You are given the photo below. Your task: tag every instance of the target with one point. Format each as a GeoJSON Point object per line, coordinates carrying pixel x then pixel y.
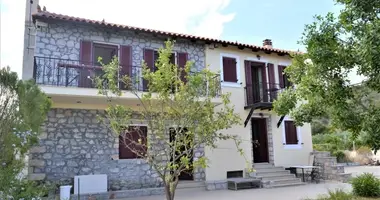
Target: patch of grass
{"type": "Point", "coordinates": [341, 195]}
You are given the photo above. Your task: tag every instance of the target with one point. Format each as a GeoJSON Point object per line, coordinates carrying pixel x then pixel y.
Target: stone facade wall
{"type": "Point", "coordinates": [73, 142]}
{"type": "Point", "coordinates": [62, 40]}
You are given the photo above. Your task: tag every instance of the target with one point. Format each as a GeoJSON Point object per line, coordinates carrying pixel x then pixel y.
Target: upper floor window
{"type": "Point", "coordinates": [105, 51]}
{"type": "Point", "coordinates": [283, 78]}
{"type": "Point", "coordinates": [230, 70]}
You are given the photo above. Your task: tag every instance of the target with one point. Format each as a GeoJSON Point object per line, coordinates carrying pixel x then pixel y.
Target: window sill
{"type": "Point", "coordinates": [292, 146]}
{"type": "Point", "coordinates": [231, 84]}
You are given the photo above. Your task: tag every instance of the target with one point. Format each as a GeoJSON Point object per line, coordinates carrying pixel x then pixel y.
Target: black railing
{"type": "Point", "coordinates": [73, 73]}
{"type": "Point", "coordinates": [261, 93]}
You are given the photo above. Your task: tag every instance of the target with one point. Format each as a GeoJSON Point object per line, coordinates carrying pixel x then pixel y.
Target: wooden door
{"type": "Point", "coordinates": [260, 140]}
{"type": "Point", "coordinates": [186, 174]}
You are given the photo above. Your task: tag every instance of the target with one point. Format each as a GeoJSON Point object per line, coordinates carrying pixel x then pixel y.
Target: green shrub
{"type": "Point", "coordinates": [340, 156]}
{"type": "Point", "coordinates": [366, 185]}
{"type": "Point", "coordinates": [336, 195]}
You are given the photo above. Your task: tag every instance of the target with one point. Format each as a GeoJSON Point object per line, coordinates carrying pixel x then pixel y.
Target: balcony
{"type": "Point", "coordinates": [74, 74]}
{"type": "Point", "coordinates": [261, 95]}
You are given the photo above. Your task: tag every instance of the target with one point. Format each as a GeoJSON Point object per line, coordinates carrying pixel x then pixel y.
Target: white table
{"type": "Point", "coordinates": [303, 167]}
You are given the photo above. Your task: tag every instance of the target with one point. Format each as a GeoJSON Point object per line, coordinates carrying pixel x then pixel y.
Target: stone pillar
{"type": "Point", "coordinates": [29, 40]}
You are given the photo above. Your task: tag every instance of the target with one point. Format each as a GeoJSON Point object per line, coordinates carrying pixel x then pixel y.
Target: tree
{"type": "Point", "coordinates": [179, 111]}
{"type": "Point", "coordinates": [23, 108]}
{"type": "Point", "coordinates": [337, 46]}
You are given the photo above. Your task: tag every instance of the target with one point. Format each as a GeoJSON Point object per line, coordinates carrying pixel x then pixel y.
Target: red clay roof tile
{"type": "Point", "coordinates": [50, 15]}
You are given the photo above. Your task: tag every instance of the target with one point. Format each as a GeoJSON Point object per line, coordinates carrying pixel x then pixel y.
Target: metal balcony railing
{"type": "Point", "coordinates": [73, 73]}
{"type": "Point", "coordinates": [261, 92]}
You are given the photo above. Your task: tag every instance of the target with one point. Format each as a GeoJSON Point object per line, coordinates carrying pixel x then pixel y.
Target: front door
{"type": "Point", "coordinates": [260, 140]}
{"type": "Point", "coordinates": [186, 174]}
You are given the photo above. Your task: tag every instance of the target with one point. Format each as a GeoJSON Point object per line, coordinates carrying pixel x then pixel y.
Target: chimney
{"type": "Point", "coordinates": [267, 43]}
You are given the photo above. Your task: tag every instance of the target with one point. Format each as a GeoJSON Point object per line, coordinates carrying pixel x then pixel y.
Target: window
{"type": "Point", "coordinates": [230, 70]}
{"type": "Point", "coordinates": [106, 52]}
{"type": "Point", "coordinates": [283, 78]}
{"type": "Point", "coordinates": [129, 142]}
{"type": "Point", "coordinates": [291, 136]}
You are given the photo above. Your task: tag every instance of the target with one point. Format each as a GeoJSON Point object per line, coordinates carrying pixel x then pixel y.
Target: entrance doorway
{"type": "Point", "coordinates": [260, 140]}
{"type": "Point", "coordinates": [188, 173]}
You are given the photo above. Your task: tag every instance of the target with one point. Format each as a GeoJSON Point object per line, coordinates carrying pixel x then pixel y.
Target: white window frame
{"type": "Point", "coordinates": [230, 84]}
{"type": "Point", "coordinates": [298, 129]}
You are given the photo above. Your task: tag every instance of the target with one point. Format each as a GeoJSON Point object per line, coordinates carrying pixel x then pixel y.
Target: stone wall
{"type": "Point", "coordinates": [73, 142]}
{"type": "Point", "coordinates": [62, 40]}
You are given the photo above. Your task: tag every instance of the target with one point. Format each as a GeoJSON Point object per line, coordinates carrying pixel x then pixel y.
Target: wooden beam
{"type": "Point", "coordinates": [240, 47]}
{"type": "Point", "coordinates": [225, 45]}
{"type": "Point", "coordinates": [249, 116]}
{"type": "Point", "coordinates": [280, 121]}
{"type": "Point", "coordinates": [255, 50]}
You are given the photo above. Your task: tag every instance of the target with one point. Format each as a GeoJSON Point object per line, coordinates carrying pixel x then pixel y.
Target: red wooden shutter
{"type": "Point", "coordinates": [264, 83]}
{"type": "Point", "coordinates": [125, 63]}
{"type": "Point", "coordinates": [124, 143]}
{"type": "Point", "coordinates": [182, 59]}
{"type": "Point", "coordinates": [291, 133]}
{"type": "Point", "coordinates": [149, 60]}
{"type": "Point", "coordinates": [229, 70]}
{"type": "Point", "coordinates": [271, 76]}
{"type": "Point", "coordinates": [248, 82]}
{"type": "Point", "coordinates": [272, 84]}
{"type": "Point", "coordinates": [281, 76]}
{"type": "Point", "coordinates": [85, 59]}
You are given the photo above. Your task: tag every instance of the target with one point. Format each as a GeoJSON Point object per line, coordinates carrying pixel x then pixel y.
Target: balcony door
{"type": "Point", "coordinates": [256, 84]}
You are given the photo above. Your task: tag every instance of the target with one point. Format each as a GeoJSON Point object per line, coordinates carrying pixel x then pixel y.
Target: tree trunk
{"type": "Point", "coordinates": [170, 193]}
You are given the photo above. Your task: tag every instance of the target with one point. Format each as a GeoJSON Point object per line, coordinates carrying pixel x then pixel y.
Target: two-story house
{"type": "Point", "coordinates": [61, 54]}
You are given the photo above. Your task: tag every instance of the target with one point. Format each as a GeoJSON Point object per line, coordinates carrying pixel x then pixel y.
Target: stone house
{"type": "Point", "coordinates": [61, 52]}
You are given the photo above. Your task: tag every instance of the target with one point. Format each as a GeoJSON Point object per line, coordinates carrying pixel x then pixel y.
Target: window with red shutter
{"type": "Point", "coordinates": [229, 70]}
{"type": "Point", "coordinates": [129, 145]}
{"type": "Point", "coordinates": [291, 136]}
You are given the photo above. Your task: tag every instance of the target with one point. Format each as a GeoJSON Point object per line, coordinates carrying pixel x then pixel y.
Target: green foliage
{"type": "Point", "coordinates": [337, 195]}
{"type": "Point", "coordinates": [366, 185]}
{"type": "Point", "coordinates": [337, 46]}
{"type": "Point", "coordinates": [340, 156]}
{"type": "Point", "coordinates": [180, 114]}
{"type": "Point", "coordinates": [23, 108]}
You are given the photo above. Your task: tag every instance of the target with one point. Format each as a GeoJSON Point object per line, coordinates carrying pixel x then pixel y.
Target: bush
{"type": "Point", "coordinates": [337, 195]}
{"type": "Point", "coordinates": [366, 185]}
{"type": "Point", "coordinates": [340, 156]}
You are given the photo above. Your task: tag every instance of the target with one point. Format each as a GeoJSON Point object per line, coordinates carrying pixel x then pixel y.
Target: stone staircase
{"type": "Point", "coordinates": [333, 170]}
{"type": "Point", "coordinates": [275, 176]}
{"type": "Point", "coordinates": [190, 184]}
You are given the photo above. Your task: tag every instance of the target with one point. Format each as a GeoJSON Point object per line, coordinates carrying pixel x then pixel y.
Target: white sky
{"type": "Point", "coordinates": [200, 17]}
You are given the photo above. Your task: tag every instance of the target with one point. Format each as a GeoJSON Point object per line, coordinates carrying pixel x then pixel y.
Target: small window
{"type": "Point", "coordinates": [235, 174]}
{"type": "Point", "coordinates": [129, 145]}
{"type": "Point", "coordinates": [291, 133]}
{"type": "Point", "coordinates": [229, 70]}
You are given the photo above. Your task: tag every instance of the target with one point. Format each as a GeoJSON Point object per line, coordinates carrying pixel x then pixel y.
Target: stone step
{"type": "Point", "coordinates": [262, 165]}
{"type": "Point", "coordinates": [190, 184]}
{"type": "Point", "coordinates": [263, 170]}
{"type": "Point", "coordinates": [278, 177]}
{"type": "Point", "coordinates": [285, 181]}
{"type": "Point", "coordinates": [287, 184]}
{"type": "Point", "coordinates": [273, 173]}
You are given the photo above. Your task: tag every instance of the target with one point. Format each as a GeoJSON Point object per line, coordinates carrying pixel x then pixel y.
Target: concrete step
{"type": "Point", "coordinates": [263, 170]}
{"type": "Point", "coordinates": [287, 185]}
{"type": "Point", "coordinates": [190, 184]}
{"type": "Point", "coordinates": [278, 177]}
{"type": "Point", "coordinates": [285, 181]}
{"type": "Point", "coordinates": [262, 165]}
{"type": "Point", "coordinates": [273, 173]}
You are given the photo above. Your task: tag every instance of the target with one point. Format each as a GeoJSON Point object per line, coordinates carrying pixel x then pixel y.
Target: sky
{"type": "Point", "coordinates": [246, 21]}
